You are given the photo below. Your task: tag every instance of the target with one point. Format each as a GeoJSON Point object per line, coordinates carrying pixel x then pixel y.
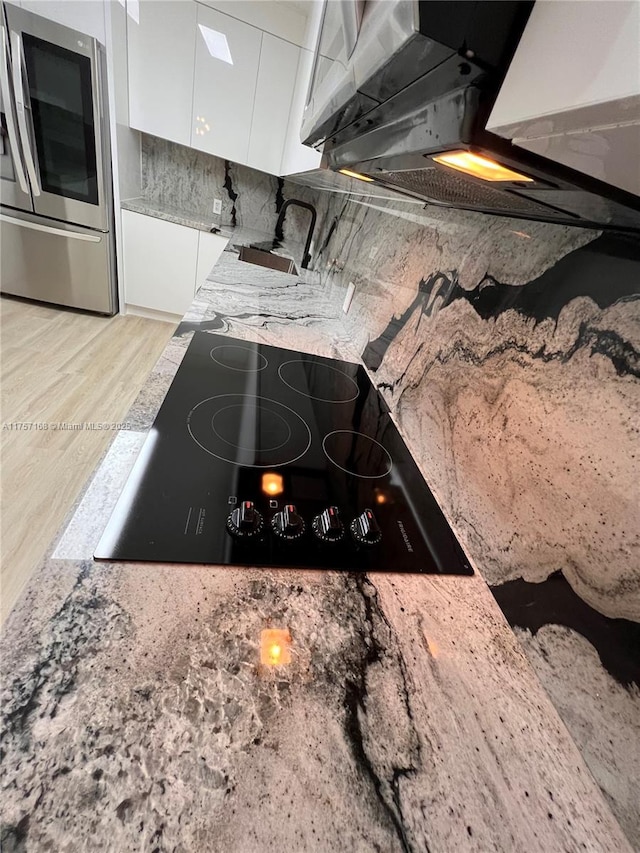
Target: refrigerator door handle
{"type": "Point", "coordinates": [48, 229]}
{"type": "Point", "coordinates": [18, 86]}
{"type": "Point", "coordinates": [14, 145]}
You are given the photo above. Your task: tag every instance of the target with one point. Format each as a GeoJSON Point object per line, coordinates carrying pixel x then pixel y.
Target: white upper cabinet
{"type": "Point", "coordinates": [160, 48]}
{"type": "Point", "coordinates": [215, 82]}
{"type": "Point", "coordinates": [274, 92]}
{"type": "Point", "coordinates": [297, 157]}
{"type": "Point", "coordinates": [571, 56]}
{"type": "Point", "coordinates": [572, 91]}
{"type": "Point", "coordinates": [285, 19]}
{"type": "Point", "coordinates": [226, 71]}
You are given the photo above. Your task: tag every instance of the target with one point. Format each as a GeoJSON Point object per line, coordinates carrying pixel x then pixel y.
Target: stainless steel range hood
{"type": "Point", "coordinates": [410, 80]}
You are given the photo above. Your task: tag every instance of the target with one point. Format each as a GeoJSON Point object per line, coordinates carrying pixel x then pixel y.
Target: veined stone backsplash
{"type": "Point", "coordinates": [190, 180]}
{"type": "Point", "coordinates": [509, 353]}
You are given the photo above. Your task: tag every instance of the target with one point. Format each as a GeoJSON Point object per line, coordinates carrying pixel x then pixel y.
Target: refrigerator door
{"type": "Point", "coordinates": [56, 262]}
{"type": "Point", "coordinates": [58, 90]}
{"type": "Point", "coordinates": [14, 184]}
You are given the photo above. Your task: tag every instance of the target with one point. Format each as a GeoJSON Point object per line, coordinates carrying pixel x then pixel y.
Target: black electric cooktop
{"type": "Point", "coordinates": [263, 456]}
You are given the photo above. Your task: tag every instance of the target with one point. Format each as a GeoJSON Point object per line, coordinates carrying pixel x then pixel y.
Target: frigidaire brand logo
{"type": "Point", "coordinates": [405, 537]}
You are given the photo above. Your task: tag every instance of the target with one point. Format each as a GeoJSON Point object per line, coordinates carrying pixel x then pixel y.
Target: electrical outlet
{"type": "Point", "coordinates": [217, 205]}
{"type": "Point", "coordinates": [348, 297]}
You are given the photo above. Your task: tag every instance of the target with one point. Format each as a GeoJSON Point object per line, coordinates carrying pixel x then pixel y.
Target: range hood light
{"type": "Point", "coordinates": [351, 174]}
{"type": "Point", "coordinates": [479, 167]}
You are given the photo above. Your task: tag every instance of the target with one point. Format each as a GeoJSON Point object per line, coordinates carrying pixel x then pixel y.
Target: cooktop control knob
{"type": "Point", "coordinates": [365, 529]}
{"type": "Point", "coordinates": [327, 526]}
{"type": "Point", "coordinates": [245, 521]}
{"type": "Point", "coordinates": [287, 524]}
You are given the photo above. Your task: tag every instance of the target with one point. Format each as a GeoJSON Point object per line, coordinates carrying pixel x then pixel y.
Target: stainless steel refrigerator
{"type": "Point", "coordinates": [56, 201]}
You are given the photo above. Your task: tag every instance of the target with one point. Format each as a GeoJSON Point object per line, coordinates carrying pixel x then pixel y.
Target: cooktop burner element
{"type": "Point", "coordinates": [303, 375]}
{"type": "Point", "coordinates": [250, 431]}
{"type": "Point", "coordinates": [260, 456]}
{"type": "Point", "coordinates": [241, 358]}
{"type": "Point", "coordinates": [357, 454]}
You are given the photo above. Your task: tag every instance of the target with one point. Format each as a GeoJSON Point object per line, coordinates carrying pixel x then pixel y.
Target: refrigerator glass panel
{"type": "Point", "coordinates": [61, 103]}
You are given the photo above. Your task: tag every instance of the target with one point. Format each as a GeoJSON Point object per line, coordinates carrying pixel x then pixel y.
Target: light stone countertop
{"type": "Point", "coordinates": [240, 235]}
{"type": "Point", "coordinates": [169, 213]}
{"type": "Point", "coordinates": [136, 715]}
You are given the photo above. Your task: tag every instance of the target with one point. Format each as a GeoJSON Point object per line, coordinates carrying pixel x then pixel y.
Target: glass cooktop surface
{"type": "Point", "coordinates": [263, 456]}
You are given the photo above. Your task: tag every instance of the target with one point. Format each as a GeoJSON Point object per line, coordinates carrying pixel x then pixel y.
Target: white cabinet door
{"type": "Point", "coordinates": [210, 247]}
{"type": "Point", "coordinates": [284, 19]}
{"type": "Point", "coordinates": [297, 157]}
{"type": "Point", "coordinates": [160, 44]}
{"type": "Point", "coordinates": [160, 260]}
{"type": "Point", "coordinates": [274, 92]}
{"type": "Point", "coordinates": [226, 70]}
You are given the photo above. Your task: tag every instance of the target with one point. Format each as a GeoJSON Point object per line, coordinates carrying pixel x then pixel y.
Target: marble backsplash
{"type": "Point", "coordinates": [188, 180]}
{"type": "Point", "coordinates": [509, 353]}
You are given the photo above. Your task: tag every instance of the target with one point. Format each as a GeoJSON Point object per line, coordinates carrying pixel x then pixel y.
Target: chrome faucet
{"type": "Point", "coordinates": [306, 257]}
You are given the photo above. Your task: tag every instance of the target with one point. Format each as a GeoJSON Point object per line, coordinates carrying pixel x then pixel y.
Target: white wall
{"type": "Point", "coordinates": [129, 162]}
{"type": "Point", "coordinates": [127, 140]}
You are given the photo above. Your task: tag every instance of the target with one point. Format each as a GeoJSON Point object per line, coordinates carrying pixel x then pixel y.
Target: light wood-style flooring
{"type": "Point", "coordinates": [56, 366]}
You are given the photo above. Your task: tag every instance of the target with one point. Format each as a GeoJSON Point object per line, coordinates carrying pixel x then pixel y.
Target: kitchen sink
{"type": "Point", "coordinates": [267, 259]}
